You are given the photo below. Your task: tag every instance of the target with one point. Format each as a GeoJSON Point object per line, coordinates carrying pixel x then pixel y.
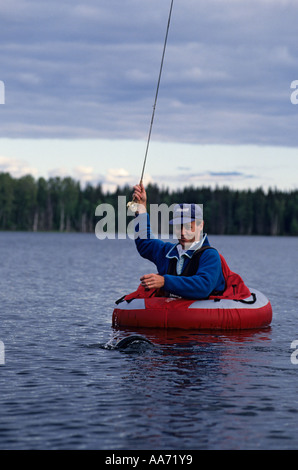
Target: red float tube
{"type": "Point", "coordinates": [223, 314]}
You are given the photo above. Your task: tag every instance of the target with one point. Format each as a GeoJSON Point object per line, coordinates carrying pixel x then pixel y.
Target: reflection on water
{"type": "Point", "coordinates": [194, 382]}
{"type": "Point", "coordinates": [66, 386]}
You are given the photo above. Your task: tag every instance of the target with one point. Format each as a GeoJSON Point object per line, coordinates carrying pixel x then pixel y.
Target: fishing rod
{"type": "Point", "coordinates": [132, 205]}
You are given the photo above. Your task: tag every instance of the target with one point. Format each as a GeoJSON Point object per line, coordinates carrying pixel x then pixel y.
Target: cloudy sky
{"type": "Point", "coordinates": [80, 79]}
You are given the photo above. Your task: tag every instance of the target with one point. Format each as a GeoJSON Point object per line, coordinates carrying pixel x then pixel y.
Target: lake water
{"type": "Point", "coordinates": [61, 388]}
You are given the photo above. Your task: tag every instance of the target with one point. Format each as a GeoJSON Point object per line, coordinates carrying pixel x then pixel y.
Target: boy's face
{"type": "Point", "coordinates": [189, 233]}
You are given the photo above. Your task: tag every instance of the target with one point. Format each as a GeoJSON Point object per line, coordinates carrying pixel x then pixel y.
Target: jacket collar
{"type": "Point", "coordinates": [177, 251]}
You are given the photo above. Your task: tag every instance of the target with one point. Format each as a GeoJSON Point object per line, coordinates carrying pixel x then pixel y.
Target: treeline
{"type": "Point", "coordinates": [61, 204]}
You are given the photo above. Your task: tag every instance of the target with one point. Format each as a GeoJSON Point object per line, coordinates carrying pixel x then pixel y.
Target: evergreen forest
{"type": "Point", "coordinates": [61, 204]}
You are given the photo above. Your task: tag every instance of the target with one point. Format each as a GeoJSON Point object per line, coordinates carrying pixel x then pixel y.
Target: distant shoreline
{"type": "Point", "coordinates": [61, 205]}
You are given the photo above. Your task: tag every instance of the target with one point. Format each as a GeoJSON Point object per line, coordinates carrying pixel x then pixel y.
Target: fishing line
{"type": "Point", "coordinates": [132, 205]}
{"type": "Point", "coordinates": [157, 90]}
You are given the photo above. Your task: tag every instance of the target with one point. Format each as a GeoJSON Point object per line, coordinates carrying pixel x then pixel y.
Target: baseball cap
{"type": "Point", "coordinates": [185, 213]}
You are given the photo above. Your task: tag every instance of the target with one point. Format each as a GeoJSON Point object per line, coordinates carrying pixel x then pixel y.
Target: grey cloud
{"type": "Point", "coordinates": [207, 177]}
{"type": "Point", "coordinates": [75, 69]}
{"type": "Point", "coordinates": [230, 174]}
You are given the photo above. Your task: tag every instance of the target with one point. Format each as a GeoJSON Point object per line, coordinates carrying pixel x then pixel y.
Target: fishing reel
{"type": "Point", "coordinates": [132, 206]}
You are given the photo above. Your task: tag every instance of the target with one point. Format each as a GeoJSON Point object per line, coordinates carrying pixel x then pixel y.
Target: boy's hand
{"type": "Point", "coordinates": [152, 281]}
{"type": "Point", "coordinates": [140, 195]}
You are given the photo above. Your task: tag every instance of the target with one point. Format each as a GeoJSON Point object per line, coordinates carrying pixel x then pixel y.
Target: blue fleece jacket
{"type": "Point", "coordinates": [209, 276]}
